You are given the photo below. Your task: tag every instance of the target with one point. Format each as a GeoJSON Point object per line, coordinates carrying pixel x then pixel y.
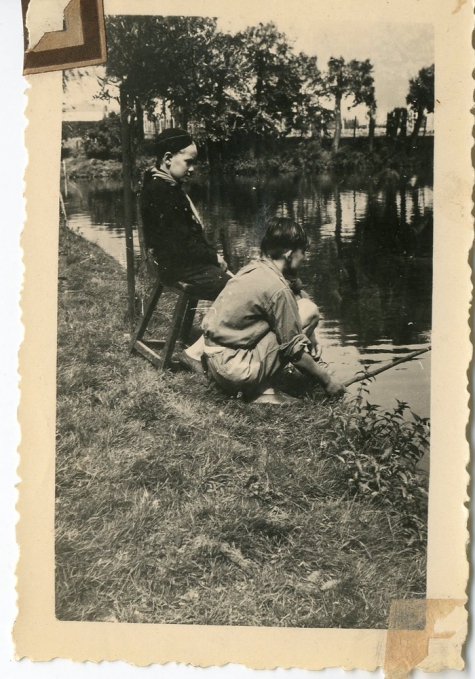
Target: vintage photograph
{"type": "Point", "coordinates": [244, 323]}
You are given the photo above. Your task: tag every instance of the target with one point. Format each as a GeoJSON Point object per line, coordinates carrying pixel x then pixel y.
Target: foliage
{"type": "Point", "coordinates": [396, 125]}
{"type": "Point", "coordinates": [182, 60]}
{"type": "Point", "coordinates": [156, 57]}
{"type": "Point", "coordinates": [421, 96]}
{"type": "Point", "coordinates": [267, 165]}
{"type": "Point", "coordinates": [353, 80]}
{"type": "Point", "coordinates": [312, 157]}
{"type": "Point", "coordinates": [246, 92]}
{"type": "Point", "coordinates": [223, 83]}
{"type": "Point", "coordinates": [282, 85]}
{"type": "Point", "coordinates": [380, 452]}
{"type": "Point", "coordinates": [103, 141]}
{"type": "Point", "coordinates": [421, 90]}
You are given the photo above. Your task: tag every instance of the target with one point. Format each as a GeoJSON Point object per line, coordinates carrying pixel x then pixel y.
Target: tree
{"type": "Point", "coordinates": [220, 107]}
{"type": "Point", "coordinates": [273, 100]}
{"type": "Point", "coordinates": [103, 141]}
{"type": "Point", "coordinates": [159, 57]}
{"type": "Point", "coordinates": [421, 98]}
{"type": "Point", "coordinates": [249, 84]}
{"type": "Point", "coordinates": [309, 115]}
{"type": "Point", "coordinates": [353, 79]}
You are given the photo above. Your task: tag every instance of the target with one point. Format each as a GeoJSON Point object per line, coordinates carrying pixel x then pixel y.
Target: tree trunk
{"type": "Point", "coordinates": [417, 127]}
{"type": "Point", "coordinates": [208, 155]}
{"type": "Point", "coordinates": [402, 123]}
{"type": "Point", "coordinates": [139, 131]}
{"type": "Point", "coordinates": [127, 186]}
{"type": "Point", "coordinates": [252, 145]}
{"type": "Point", "coordinates": [337, 135]}
{"type": "Point", "coordinates": [185, 118]}
{"type": "Point", "coordinates": [371, 129]}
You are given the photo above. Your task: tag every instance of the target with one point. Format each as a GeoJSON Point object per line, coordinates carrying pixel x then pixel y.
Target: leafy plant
{"type": "Point", "coordinates": [421, 97]}
{"type": "Point", "coordinates": [103, 142]}
{"type": "Point", "coordinates": [380, 451]}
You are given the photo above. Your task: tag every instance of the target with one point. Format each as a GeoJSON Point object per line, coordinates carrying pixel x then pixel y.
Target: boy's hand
{"type": "Point", "coordinates": [222, 263]}
{"type": "Point", "coordinates": [331, 386]}
{"type": "Point", "coordinates": [334, 388]}
{"type": "Point", "coordinates": [316, 352]}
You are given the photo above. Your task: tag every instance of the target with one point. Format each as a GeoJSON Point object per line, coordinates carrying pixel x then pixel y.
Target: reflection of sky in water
{"type": "Point", "coordinates": [109, 239]}
{"type": "Point", "coordinates": [368, 266]}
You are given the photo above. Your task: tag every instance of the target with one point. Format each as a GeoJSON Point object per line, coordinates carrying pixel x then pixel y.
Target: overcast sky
{"type": "Point", "coordinates": [398, 51]}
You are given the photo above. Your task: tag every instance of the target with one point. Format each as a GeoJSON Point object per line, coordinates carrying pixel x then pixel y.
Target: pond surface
{"type": "Point", "coordinates": [369, 266]}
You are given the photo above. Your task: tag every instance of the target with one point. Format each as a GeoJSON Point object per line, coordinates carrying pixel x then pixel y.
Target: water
{"type": "Point", "coordinates": [369, 266]}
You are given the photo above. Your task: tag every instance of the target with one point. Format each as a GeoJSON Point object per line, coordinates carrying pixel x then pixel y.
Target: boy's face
{"type": "Point", "coordinates": [182, 164]}
{"type": "Point", "coordinates": [294, 261]}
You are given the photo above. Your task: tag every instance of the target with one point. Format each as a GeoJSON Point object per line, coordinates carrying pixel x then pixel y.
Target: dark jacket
{"type": "Point", "coordinates": [172, 231]}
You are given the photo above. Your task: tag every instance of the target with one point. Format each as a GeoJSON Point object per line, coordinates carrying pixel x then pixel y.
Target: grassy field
{"type": "Point", "coordinates": [177, 505]}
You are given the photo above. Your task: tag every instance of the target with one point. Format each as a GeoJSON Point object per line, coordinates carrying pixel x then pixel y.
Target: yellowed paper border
{"type": "Point", "coordinates": [38, 634]}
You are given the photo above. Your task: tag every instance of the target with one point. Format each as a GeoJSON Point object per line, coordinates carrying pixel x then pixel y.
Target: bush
{"type": "Point", "coordinates": [268, 165]}
{"type": "Point", "coordinates": [104, 142]}
{"type": "Point", "coordinates": [311, 157]}
{"type": "Point", "coordinates": [66, 152]}
{"type": "Point", "coordinates": [345, 161]}
{"type": "Point", "coordinates": [380, 452]}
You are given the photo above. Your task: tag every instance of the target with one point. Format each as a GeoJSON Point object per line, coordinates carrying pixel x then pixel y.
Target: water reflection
{"type": "Point", "coordinates": [369, 266]}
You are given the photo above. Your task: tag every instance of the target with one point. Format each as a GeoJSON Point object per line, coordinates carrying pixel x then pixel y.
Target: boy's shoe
{"type": "Point", "coordinates": [274, 397]}
{"type": "Point", "coordinates": [190, 364]}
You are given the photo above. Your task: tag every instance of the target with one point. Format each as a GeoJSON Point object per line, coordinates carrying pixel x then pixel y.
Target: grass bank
{"type": "Point", "coordinates": [353, 158]}
{"type": "Point", "coordinates": [80, 167]}
{"type": "Point", "coordinates": [294, 156]}
{"type": "Point", "coordinates": [176, 505]}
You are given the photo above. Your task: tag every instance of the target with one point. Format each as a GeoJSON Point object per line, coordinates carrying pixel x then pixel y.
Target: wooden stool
{"type": "Point", "coordinates": [182, 322]}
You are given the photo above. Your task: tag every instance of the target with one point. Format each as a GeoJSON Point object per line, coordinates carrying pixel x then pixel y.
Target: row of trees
{"type": "Point", "coordinates": [252, 83]}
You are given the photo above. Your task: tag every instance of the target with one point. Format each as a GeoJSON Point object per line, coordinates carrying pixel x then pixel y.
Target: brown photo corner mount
{"type": "Point", "coordinates": [81, 43]}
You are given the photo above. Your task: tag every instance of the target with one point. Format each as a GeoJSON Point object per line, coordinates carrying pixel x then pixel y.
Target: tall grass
{"type": "Point", "coordinates": [175, 504]}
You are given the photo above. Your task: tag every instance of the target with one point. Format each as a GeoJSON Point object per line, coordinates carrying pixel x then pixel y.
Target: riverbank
{"type": "Point", "coordinates": [301, 157]}
{"type": "Point", "coordinates": [177, 505]}
{"type": "Point", "coordinates": [80, 167]}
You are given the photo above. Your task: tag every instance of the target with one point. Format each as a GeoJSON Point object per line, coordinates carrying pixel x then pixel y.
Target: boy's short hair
{"type": "Point", "coordinates": [283, 234]}
{"type": "Point", "coordinates": [174, 140]}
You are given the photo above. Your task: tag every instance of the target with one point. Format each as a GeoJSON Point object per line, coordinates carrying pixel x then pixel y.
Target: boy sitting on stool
{"type": "Point", "coordinates": [173, 229]}
{"type": "Point", "coordinates": [256, 325]}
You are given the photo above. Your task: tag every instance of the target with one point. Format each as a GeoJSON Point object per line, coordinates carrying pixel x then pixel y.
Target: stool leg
{"type": "Point", "coordinates": [188, 318]}
{"type": "Point", "coordinates": [148, 312]}
{"type": "Point", "coordinates": [177, 321]}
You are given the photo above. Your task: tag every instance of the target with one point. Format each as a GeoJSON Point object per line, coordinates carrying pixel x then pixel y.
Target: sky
{"type": "Point", "coordinates": [397, 51]}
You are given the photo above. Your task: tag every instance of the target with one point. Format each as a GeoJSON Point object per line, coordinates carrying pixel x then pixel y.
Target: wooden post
{"type": "Point", "coordinates": [127, 184]}
{"type": "Point", "coordinates": [65, 179]}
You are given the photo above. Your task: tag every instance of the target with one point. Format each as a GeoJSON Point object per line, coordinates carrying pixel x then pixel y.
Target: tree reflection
{"type": "Point", "coordinates": [369, 265]}
{"type": "Point", "coordinates": [378, 283]}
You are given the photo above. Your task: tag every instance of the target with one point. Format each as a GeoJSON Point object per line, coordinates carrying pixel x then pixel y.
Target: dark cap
{"type": "Point", "coordinates": [174, 139]}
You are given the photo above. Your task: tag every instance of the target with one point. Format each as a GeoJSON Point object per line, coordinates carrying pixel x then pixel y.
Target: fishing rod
{"type": "Point", "coordinates": [377, 371]}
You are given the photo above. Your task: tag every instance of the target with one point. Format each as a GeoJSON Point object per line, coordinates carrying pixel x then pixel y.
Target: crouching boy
{"type": "Point", "coordinates": [257, 325]}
